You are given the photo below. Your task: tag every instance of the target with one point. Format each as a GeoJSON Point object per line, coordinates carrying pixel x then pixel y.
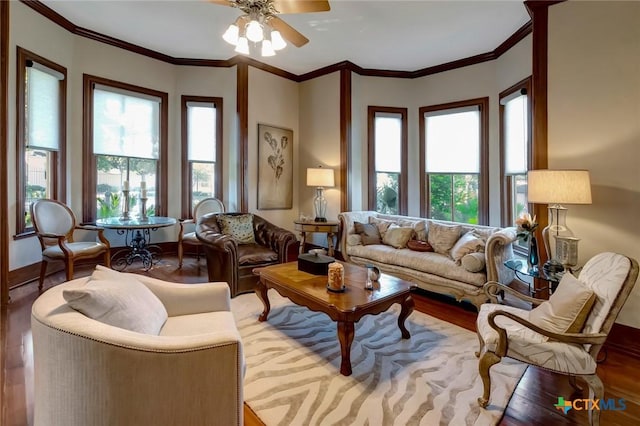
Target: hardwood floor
{"type": "Point", "coordinates": [532, 403]}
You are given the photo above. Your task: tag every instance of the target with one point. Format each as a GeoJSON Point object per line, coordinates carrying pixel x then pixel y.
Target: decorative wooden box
{"type": "Point", "coordinates": [316, 264]}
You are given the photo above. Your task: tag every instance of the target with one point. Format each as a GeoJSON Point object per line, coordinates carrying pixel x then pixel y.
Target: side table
{"type": "Point", "coordinates": [521, 269]}
{"type": "Point", "coordinates": [329, 228]}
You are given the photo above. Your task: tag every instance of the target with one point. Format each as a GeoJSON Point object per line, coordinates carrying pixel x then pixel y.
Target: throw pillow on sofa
{"type": "Point", "coordinates": [397, 236]}
{"type": "Point", "coordinates": [382, 224]}
{"type": "Point", "coordinates": [468, 243]}
{"type": "Point", "coordinates": [240, 227]}
{"type": "Point", "coordinates": [473, 262]}
{"type": "Point", "coordinates": [417, 245]}
{"type": "Point", "coordinates": [442, 237]}
{"type": "Point", "coordinates": [368, 232]}
{"type": "Point", "coordinates": [118, 300]}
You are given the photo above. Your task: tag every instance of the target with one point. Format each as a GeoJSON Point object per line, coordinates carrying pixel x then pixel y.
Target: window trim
{"type": "Point", "coordinates": [58, 158]}
{"type": "Point", "coordinates": [371, 155]}
{"type": "Point", "coordinates": [483, 178]}
{"type": "Point", "coordinates": [89, 167]}
{"type": "Point", "coordinates": [187, 186]}
{"type": "Point", "coordinates": [506, 217]}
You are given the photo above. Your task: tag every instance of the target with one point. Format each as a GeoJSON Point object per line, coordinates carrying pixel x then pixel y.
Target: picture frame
{"type": "Point", "coordinates": [275, 168]}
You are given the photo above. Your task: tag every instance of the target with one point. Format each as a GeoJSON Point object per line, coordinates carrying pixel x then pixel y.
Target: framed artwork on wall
{"type": "Point", "coordinates": [275, 168]}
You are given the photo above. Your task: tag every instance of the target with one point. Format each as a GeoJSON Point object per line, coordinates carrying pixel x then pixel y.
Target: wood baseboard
{"type": "Point", "coordinates": [30, 273]}
{"type": "Point", "coordinates": [625, 339]}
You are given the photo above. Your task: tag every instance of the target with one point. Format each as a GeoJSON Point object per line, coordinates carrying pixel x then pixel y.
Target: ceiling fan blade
{"type": "Point", "coordinates": [300, 6]}
{"type": "Point", "coordinates": [288, 32]}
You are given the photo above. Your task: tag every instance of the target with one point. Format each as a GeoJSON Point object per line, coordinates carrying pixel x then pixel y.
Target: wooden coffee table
{"type": "Point", "coordinates": [345, 308]}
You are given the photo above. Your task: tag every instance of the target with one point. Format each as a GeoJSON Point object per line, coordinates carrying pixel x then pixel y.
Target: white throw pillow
{"type": "Point", "coordinates": [397, 236]}
{"type": "Point", "coordinates": [468, 243]}
{"type": "Point", "coordinates": [118, 300]}
{"type": "Point", "coordinates": [442, 237]}
{"type": "Point", "coordinates": [567, 309]}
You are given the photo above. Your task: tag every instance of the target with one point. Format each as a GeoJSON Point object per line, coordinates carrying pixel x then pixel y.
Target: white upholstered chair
{"type": "Point", "coordinates": [90, 373]}
{"type": "Point", "coordinates": [506, 331]}
{"type": "Point", "coordinates": [187, 233]}
{"type": "Point", "coordinates": [54, 224]}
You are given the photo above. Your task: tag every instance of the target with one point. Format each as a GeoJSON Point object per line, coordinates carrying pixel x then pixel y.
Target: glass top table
{"type": "Point", "coordinates": [522, 271]}
{"type": "Point", "coordinates": [137, 232]}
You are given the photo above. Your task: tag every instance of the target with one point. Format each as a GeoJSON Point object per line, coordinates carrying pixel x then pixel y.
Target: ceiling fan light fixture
{"type": "Point", "coordinates": [267, 48]}
{"type": "Point", "coordinates": [254, 31]}
{"type": "Point", "coordinates": [277, 41]}
{"type": "Point", "coordinates": [231, 35]}
{"type": "Point", "coordinates": [242, 46]}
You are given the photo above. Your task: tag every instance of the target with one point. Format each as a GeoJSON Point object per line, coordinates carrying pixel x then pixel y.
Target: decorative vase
{"type": "Point", "coordinates": [532, 258]}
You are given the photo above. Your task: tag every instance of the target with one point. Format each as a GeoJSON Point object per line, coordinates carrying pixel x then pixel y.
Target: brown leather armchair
{"type": "Point", "coordinates": [234, 263]}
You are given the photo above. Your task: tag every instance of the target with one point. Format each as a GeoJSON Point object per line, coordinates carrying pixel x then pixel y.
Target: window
{"type": "Point", "coordinates": [454, 159]}
{"type": "Point", "coordinates": [515, 143]}
{"type": "Point", "coordinates": [201, 150]}
{"type": "Point", "coordinates": [41, 134]}
{"type": "Point", "coordinates": [387, 160]}
{"type": "Point", "coordinates": [125, 147]}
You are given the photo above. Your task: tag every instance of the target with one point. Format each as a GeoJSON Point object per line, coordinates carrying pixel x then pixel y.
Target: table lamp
{"type": "Point", "coordinates": [320, 178]}
{"type": "Point", "coordinates": [557, 187]}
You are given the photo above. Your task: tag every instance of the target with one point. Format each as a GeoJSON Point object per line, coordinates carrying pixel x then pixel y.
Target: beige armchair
{"type": "Point", "coordinates": [585, 307]}
{"type": "Point", "coordinates": [54, 224]}
{"type": "Point", "coordinates": [187, 233]}
{"type": "Point", "coordinates": [90, 373]}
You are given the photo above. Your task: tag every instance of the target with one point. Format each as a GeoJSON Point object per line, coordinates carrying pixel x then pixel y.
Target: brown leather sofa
{"type": "Point", "coordinates": [234, 263]}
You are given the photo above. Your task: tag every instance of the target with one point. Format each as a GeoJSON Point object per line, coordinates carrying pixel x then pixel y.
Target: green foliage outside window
{"type": "Point", "coordinates": [454, 197]}
{"type": "Point", "coordinates": [387, 193]}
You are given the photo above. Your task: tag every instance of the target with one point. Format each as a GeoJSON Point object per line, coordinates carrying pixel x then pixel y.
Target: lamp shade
{"type": "Point", "coordinates": [320, 177]}
{"type": "Point", "coordinates": [559, 187]}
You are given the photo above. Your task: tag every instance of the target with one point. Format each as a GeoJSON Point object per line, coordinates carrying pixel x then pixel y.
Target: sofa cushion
{"type": "Point", "coordinates": [368, 232]}
{"type": "Point", "coordinates": [473, 262]}
{"type": "Point", "coordinates": [202, 323]}
{"type": "Point", "coordinates": [118, 300]}
{"type": "Point", "coordinates": [382, 224]}
{"type": "Point", "coordinates": [468, 243]}
{"type": "Point", "coordinates": [567, 309]}
{"type": "Point", "coordinates": [397, 236]}
{"type": "Point", "coordinates": [417, 245]}
{"type": "Point", "coordinates": [240, 227]}
{"type": "Point", "coordinates": [442, 237]}
{"type": "Point", "coordinates": [420, 227]}
{"type": "Point", "coordinates": [253, 254]}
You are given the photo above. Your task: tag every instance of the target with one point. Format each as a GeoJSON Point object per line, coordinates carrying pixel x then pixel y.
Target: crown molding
{"type": "Point", "coordinates": [50, 14]}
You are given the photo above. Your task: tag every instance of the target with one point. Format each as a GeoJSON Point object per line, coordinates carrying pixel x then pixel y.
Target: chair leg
{"type": "Point", "coordinates": [107, 259]}
{"type": "Point", "coordinates": [69, 269]}
{"type": "Point", "coordinates": [596, 391]}
{"type": "Point", "coordinates": [481, 340]}
{"type": "Point", "coordinates": [574, 384]}
{"type": "Point", "coordinates": [180, 253]}
{"type": "Point", "coordinates": [43, 273]}
{"type": "Point", "coordinates": [486, 362]}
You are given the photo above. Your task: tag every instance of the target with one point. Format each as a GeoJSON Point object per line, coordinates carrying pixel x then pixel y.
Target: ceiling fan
{"type": "Point", "coordinates": [260, 23]}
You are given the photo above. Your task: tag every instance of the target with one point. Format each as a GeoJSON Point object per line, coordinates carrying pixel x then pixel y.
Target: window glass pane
{"type": "Point", "coordinates": [42, 115]}
{"type": "Point", "coordinates": [387, 192]}
{"type": "Point", "coordinates": [112, 173]}
{"type": "Point", "coordinates": [454, 197]}
{"type": "Point", "coordinates": [125, 125]}
{"type": "Point", "coordinates": [38, 168]}
{"type": "Point", "coordinates": [202, 182]}
{"type": "Point", "coordinates": [515, 134]}
{"type": "Point", "coordinates": [388, 147]}
{"type": "Point", "coordinates": [450, 135]}
{"type": "Point", "coordinates": [201, 132]}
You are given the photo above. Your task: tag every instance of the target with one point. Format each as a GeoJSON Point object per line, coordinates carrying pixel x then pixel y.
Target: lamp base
{"type": "Point", "coordinates": [320, 219]}
{"type": "Point", "coordinates": [552, 267]}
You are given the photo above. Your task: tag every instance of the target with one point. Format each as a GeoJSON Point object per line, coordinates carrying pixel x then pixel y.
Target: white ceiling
{"type": "Point", "coordinates": [390, 35]}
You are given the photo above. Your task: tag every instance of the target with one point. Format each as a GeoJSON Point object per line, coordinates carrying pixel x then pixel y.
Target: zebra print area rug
{"type": "Point", "coordinates": [293, 370]}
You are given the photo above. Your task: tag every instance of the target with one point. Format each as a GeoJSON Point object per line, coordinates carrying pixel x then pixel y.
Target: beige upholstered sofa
{"type": "Point", "coordinates": [431, 271]}
{"type": "Point", "coordinates": [91, 373]}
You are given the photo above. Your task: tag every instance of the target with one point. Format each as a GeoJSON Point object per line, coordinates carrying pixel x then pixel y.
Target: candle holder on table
{"type": "Point", "coordinates": [125, 206]}
{"type": "Point", "coordinates": [143, 208]}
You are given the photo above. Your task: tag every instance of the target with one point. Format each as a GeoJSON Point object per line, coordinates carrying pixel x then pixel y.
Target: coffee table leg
{"type": "Point", "coordinates": [407, 308]}
{"type": "Point", "coordinates": [345, 336]}
{"type": "Point", "coordinates": [261, 292]}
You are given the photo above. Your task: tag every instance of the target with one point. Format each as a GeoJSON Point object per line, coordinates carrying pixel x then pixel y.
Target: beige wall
{"type": "Point", "coordinates": [594, 123]}
{"type": "Point", "coordinates": [273, 100]}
